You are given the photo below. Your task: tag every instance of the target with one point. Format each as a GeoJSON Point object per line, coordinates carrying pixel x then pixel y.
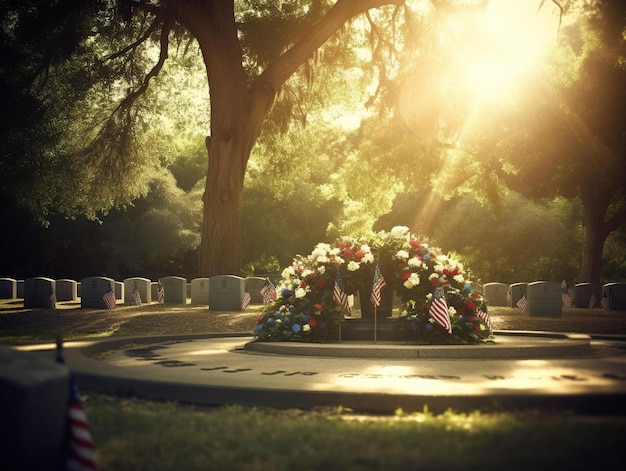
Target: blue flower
{"type": "Point", "coordinates": [258, 328]}
{"type": "Point", "coordinates": [415, 326]}
{"type": "Point", "coordinates": [462, 319]}
{"type": "Point", "coordinates": [270, 321]}
{"type": "Point", "coordinates": [429, 327]}
{"type": "Point", "coordinates": [306, 318]}
{"type": "Point", "coordinates": [278, 314]}
{"type": "Point", "coordinates": [426, 257]}
{"type": "Point", "coordinates": [285, 293]}
{"type": "Point", "coordinates": [468, 287]}
{"type": "Point", "coordinates": [296, 328]}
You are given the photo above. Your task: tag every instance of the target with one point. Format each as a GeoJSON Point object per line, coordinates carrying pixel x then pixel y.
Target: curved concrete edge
{"type": "Point", "coordinates": [503, 346]}
{"type": "Point", "coordinates": [371, 403]}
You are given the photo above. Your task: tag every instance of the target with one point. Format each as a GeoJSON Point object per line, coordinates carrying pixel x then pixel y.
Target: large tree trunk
{"type": "Point", "coordinates": [593, 244]}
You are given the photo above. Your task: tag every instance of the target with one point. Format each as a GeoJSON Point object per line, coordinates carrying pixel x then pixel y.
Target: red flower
{"type": "Point", "coordinates": [313, 323]}
{"type": "Point", "coordinates": [321, 282]}
{"type": "Point", "coordinates": [470, 305]}
{"type": "Point", "coordinates": [347, 253]}
{"type": "Point", "coordinates": [434, 281]}
{"type": "Point", "coordinates": [317, 307]}
{"type": "Point", "coordinates": [359, 254]}
{"type": "Point", "coordinates": [303, 284]}
{"type": "Point", "coordinates": [405, 276]}
{"type": "Point", "coordinates": [415, 244]}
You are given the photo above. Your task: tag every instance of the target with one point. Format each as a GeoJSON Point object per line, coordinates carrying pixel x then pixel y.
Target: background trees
{"type": "Point", "coordinates": [87, 136]}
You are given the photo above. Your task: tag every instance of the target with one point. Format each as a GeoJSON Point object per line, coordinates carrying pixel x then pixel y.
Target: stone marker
{"type": "Point", "coordinates": [200, 291]}
{"type": "Point", "coordinates": [226, 292]}
{"type": "Point", "coordinates": [66, 290]}
{"type": "Point", "coordinates": [495, 293]}
{"type": "Point", "coordinates": [545, 299]}
{"type": "Point", "coordinates": [33, 410]}
{"type": "Point", "coordinates": [254, 285]}
{"type": "Point", "coordinates": [583, 293]}
{"type": "Point", "coordinates": [175, 288]}
{"type": "Point", "coordinates": [516, 290]}
{"type": "Point", "coordinates": [142, 285]}
{"type": "Point", "coordinates": [616, 293]}
{"type": "Point", "coordinates": [8, 288]}
{"type": "Point", "coordinates": [119, 291]}
{"type": "Point", "coordinates": [93, 289]}
{"type": "Point", "coordinates": [39, 292]}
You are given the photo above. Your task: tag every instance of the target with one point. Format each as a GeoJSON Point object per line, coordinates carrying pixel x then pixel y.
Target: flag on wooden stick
{"type": "Point", "coordinates": [378, 285]}
{"type": "Point", "coordinates": [438, 310]}
{"type": "Point", "coordinates": [339, 293]}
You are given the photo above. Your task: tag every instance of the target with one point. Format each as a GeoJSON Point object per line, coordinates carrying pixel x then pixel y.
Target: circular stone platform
{"type": "Point", "coordinates": [520, 369]}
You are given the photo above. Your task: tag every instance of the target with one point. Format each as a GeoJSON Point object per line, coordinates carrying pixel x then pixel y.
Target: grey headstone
{"type": "Point", "coordinates": [616, 293]}
{"type": "Point", "coordinates": [92, 291]}
{"type": "Point", "coordinates": [33, 410]}
{"type": "Point", "coordinates": [545, 299]}
{"type": "Point", "coordinates": [226, 292]}
{"type": "Point", "coordinates": [66, 290]}
{"type": "Point", "coordinates": [200, 291]}
{"type": "Point", "coordinates": [496, 293]}
{"type": "Point", "coordinates": [254, 285]}
{"type": "Point", "coordinates": [175, 288]}
{"type": "Point", "coordinates": [142, 285]}
{"type": "Point", "coordinates": [583, 293]}
{"type": "Point", "coordinates": [39, 292]}
{"type": "Point", "coordinates": [516, 290]}
{"type": "Point", "coordinates": [8, 288]}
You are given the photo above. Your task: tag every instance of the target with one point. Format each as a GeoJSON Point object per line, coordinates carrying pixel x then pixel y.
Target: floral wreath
{"type": "Point", "coordinates": [439, 306]}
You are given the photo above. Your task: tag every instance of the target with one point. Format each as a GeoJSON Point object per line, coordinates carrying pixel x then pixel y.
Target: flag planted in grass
{"type": "Point", "coordinates": [109, 299]}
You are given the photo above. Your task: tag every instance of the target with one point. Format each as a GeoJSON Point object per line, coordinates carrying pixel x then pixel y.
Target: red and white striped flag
{"type": "Point", "coordinates": [109, 299]}
{"type": "Point", "coordinates": [485, 317]}
{"type": "Point", "coordinates": [438, 310]}
{"type": "Point", "coordinates": [605, 303]}
{"type": "Point", "coordinates": [80, 454]}
{"type": "Point", "coordinates": [522, 304]}
{"type": "Point", "coordinates": [137, 297]}
{"type": "Point", "coordinates": [268, 291]}
{"type": "Point", "coordinates": [246, 300]}
{"type": "Point", "coordinates": [378, 285]}
{"type": "Point", "coordinates": [161, 294]}
{"type": "Point", "coordinates": [339, 293]}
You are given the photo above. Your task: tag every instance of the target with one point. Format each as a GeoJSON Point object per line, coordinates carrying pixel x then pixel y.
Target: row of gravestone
{"type": "Point", "coordinates": [220, 293]}
{"type": "Point", "coordinates": [547, 298]}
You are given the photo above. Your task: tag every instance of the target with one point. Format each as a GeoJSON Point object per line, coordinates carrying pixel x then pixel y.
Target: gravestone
{"type": "Point", "coordinates": [175, 288]}
{"type": "Point", "coordinates": [39, 292]}
{"type": "Point", "coordinates": [516, 291]}
{"type": "Point", "coordinates": [119, 291]}
{"type": "Point", "coordinates": [154, 290]}
{"type": "Point", "coordinates": [142, 285]}
{"type": "Point", "coordinates": [496, 293]}
{"type": "Point", "coordinates": [200, 291]}
{"type": "Point", "coordinates": [33, 410]}
{"type": "Point", "coordinates": [254, 285]}
{"type": "Point", "coordinates": [616, 292]}
{"type": "Point", "coordinates": [545, 299]}
{"type": "Point", "coordinates": [78, 289]}
{"type": "Point", "coordinates": [226, 292]}
{"type": "Point", "coordinates": [66, 290]}
{"type": "Point", "coordinates": [93, 289]}
{"type": "Point", "coordinates": [8, 288]}
{"type": "Point", "coordinates": [583, 292]}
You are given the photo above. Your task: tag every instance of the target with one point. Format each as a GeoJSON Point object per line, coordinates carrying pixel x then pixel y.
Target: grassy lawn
{"type": "Point", "coordinates": [136, 434]}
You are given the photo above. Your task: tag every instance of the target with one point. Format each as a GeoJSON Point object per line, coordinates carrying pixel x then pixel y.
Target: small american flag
{"type": "Point", "coordinates": [567, 300]}
{"type": "Point", "coordinates": [137, 297]}
{"type": "Point", "coordinates": [53, 300]}
{"type": "Point", "coordinates": [378, 285]}
{"type": "Point", "coordinates": [268, 291]}
{"type": "Point", "coordinates": [80, 455]}
{"type": "Point", "coordinates": [339, 294]}
{"type": "Point", "coordinates": [522, 304]}
{"type": "Point", "coordinates": [109, 299]}
{"type": "Point", "coordinates": [246, 300]}
{"type": "Point", "coordinates": [485, 317]}
{"type": "Point", "coordinates": [161, 294]}
{"type": "Point", "coordinates": [605, 303]}
{"type": "Point", "coordinates": [438, 310]}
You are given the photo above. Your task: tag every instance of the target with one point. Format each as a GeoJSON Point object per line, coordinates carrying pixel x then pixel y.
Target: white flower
{"type": "Point", "coordinates": [353, 266]}
{"type": "Point", "coordinates": [321, 269]}
{"type": "Point", "coordinates": [439, 267]}
{"type": "Point", "coordinates": [368, 258]}
{"type": "Point", "coordinates": [402, 254]}
{"type": "Point", "coordinates": [451, 310]}
{"type": "Point", "coordinates": [288, 273]}
{"type": "Point", "coordinates": [399, 231]}
{"type": "Point", "coordinates": [415, 262]}
{"type": "Point", "coordinates": [306, 327]}
{"type": "Point", "coordinates": [412, 281]}
{"type": "Point", "coordinates": [433, 275]}
{"type": "Point", "coordinates": [300, 292]}
{"type": "Point", "coordinates": [459, 278]}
